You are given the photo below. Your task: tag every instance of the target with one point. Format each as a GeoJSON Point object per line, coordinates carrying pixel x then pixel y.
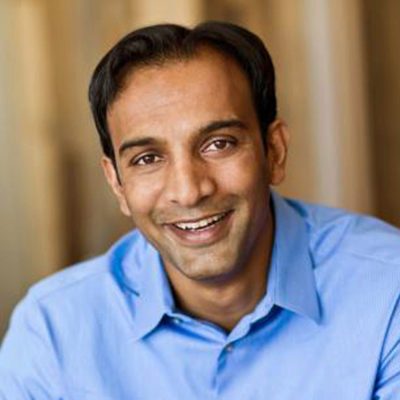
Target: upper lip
{"type": "Point", "coordinates": [188, 221]}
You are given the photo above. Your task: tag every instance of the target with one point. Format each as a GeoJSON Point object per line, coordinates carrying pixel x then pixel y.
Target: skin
{"type": "Point", "coordinates": [189, 146]}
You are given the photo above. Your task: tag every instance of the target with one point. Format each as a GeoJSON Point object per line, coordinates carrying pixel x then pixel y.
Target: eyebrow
{"type": "Point", "coordinates": [220, 124]}
{"type": "Point", "coordinates": [145, 141]}
{"type": "Point", "coordinates": [210, 127]}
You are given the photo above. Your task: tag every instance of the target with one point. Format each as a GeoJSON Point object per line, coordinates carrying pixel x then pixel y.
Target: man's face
{"type": "Point", "coordinates": [194, 175]}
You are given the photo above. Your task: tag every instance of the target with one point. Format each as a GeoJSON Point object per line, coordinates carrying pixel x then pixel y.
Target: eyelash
{"type": "Point", "coordinates": [137, 161]}
{"type": "Point", "coordinates": [229, 142]}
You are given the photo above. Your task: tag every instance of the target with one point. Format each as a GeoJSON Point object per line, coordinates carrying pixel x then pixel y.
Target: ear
{"type": "Point", "coordinates": [277, 149]}
{"type": "Point", "coordinates": [114, 182]}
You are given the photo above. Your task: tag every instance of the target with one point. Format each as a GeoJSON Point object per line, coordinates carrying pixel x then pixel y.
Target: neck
{"type": "Point", "coordinates": [226, 301]}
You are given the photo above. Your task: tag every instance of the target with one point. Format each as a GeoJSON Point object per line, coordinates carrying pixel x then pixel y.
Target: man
{"type": "Point", "coordinates": [226, 290]}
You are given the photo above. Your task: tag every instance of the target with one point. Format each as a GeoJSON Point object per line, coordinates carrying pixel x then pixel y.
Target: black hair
{"type": "Point", "coordinates": [157, 44]}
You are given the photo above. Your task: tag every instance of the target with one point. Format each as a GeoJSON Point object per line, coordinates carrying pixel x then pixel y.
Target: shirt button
{"type": "Point", "coordinates": [229, 348]}
{"type": "Point", "coordinates": [176, 320]}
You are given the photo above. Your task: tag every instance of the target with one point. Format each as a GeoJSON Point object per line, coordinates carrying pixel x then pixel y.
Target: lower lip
{"type": "Point", "coordinates": [205, 237]}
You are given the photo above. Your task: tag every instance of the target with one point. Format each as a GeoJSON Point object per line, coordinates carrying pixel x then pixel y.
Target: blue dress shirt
{"type": "Point", "coordinates": [328, 327]}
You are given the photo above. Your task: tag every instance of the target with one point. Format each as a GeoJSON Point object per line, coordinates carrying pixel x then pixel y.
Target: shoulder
{"type": "Point", "coordinates": [336, 232]}
{"type": "Point", "coordinates": [68, 307]}
{"type": "Point", "coordinates": [89, 278]}
{"type": "Point", "coordinates": [356, 259]}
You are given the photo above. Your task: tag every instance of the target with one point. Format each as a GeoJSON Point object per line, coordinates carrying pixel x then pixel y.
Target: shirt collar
{"type": "Point", "coordinates": [143, 277]}
{"type": "Point", "coordinates": [291, 282]}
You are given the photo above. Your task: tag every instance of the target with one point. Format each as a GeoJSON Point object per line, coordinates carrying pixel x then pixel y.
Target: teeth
{"type": "Point", "coordinates": [192, 226]}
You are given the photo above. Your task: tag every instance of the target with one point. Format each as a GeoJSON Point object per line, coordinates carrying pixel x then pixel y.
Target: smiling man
{"type": "Point", "coordinates": [225, 290]}
{"type": "Point", "coordinates": [192, 173]}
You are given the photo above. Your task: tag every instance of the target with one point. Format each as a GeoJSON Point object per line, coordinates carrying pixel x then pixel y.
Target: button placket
{"type": "Point", "coordinates": [229, 348]}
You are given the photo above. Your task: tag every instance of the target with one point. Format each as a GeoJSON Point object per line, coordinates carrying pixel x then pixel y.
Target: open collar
{"type": "Point", "coordinates": [291, 284]}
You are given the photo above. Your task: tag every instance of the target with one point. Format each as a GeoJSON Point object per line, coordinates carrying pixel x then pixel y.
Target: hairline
{"type": "Point", "coordinates": [171, 60]}
{"type": "Point", "coordinates": [182, 44]}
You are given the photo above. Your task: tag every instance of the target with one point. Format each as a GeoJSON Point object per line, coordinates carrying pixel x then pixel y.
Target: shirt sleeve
{"type": "Point", "coordinates": [387, 385]}
{"type": "Point", "coordinates": [28, 364]}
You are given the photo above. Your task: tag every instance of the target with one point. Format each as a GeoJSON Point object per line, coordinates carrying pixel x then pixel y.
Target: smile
{"type": "Point", "coordinates": [202, 224]}
{"type": "Point", "coordinates": [202, 232]}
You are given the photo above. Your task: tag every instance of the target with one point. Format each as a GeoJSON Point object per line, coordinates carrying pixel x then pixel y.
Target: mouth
{"type": "Point", "coordinates": [203, 231]}
{"type": "Point", "coordinates": [201, 224]}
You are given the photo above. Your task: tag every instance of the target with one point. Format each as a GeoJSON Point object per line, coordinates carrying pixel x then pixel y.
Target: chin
{"type": "Point", "coordinates": [208, 269]}
{"type": "Point", "coordinates": [217, 263]}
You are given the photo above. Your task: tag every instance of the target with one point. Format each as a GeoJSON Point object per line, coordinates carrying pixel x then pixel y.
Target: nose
{"type": "Point", "coordinates": [188, 182]}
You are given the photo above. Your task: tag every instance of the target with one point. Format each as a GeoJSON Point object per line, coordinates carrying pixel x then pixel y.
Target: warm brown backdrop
{"type": "Point", "coordinates": [337, 65]}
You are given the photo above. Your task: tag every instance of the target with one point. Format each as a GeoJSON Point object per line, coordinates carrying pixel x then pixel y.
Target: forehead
{"type": "Point", "coordinates": [180, 96]}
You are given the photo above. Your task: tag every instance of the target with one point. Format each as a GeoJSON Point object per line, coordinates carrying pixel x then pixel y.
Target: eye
{"type": "Point", "coordinates": [219, 145]}
{"type": "Point", "coordinates": [146, 159]}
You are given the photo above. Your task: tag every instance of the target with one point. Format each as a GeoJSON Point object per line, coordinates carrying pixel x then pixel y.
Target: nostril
{"type": "Point", "coordinates": [189, 184]}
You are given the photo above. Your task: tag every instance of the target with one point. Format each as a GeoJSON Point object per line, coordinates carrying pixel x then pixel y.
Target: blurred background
{"type": "Point", "coordinates": [337, 65]}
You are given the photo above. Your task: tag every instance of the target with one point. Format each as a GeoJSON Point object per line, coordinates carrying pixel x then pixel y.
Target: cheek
{"type": "Point", "coordinates": [142, 196]}
{"type": "Point", "coordinates": [245, 176]}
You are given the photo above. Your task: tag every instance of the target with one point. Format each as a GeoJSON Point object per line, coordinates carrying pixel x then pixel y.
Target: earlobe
{"type": "Point", "coordinates": [114, 182]}
{"type": "Point", "coordinates": [277, 144]}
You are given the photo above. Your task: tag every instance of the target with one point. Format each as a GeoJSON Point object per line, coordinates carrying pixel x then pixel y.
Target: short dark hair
{"type": "Point", "coordinates": [157, 44]}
